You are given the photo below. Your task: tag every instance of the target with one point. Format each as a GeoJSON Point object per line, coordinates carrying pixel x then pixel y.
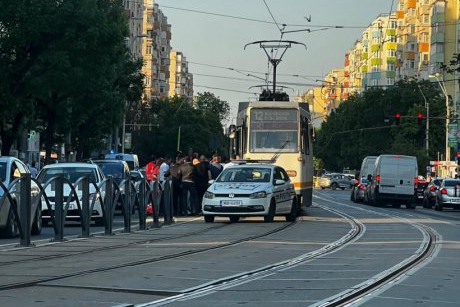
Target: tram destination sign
{"type": "Point", "coordinates": [274, 119]}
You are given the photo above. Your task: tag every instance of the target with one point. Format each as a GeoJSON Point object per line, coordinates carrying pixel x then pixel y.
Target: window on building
{"type": "Point", "coordinates": [412, 28]}
{"type": "Point", "coordinates": [410, 64]}
{"type": "Point", "coordinates": [391, 52]}
{"type": "Point", "coordinates": [393, 38]}
{"type": "Point", "coordinates": [411, 46]}
{"type": "Point", "coordinates": [393, 24]}
{"type": "Point", "coordinates": [375, 68]}
{"type": "Point", "coordinates": [425, 18]}
{"type": "Point", "coordinates": [374, 82]}
{"type": "Point", "coordinates": [390, 66]}
{"type": "Point", "coordinates": [390, 81]}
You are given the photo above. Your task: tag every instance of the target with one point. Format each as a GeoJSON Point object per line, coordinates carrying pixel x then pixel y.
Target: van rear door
{"type": "Point", "coordinates": [397, 174]}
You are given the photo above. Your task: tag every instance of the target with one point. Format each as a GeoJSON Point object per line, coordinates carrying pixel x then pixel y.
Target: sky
{"type": "Point", "coordinates": [212, 35]}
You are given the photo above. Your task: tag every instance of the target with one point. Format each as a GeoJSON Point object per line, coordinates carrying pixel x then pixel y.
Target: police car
{"type": "Point", "coordinates": [250, 190]}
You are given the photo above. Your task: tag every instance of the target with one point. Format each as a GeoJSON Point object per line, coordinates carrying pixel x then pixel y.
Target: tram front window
{"type": "Point", "coordinates": [274, 141]}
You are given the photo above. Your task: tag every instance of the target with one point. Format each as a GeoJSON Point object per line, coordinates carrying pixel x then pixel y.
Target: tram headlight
{"type": "Point", "coordinates": [261, 194]}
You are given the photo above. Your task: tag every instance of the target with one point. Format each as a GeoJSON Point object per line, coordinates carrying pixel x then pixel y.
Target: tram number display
{"type": "Point", "coordinates": [268, 119]}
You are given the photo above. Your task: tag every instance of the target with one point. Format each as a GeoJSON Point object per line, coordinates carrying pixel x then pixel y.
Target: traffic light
{"type": "Point", "coordinates": [419, 119]}
{"type": "Point", "coordinates": [231, 131]}
{"type": "Point", "coordinates": [397, 118]}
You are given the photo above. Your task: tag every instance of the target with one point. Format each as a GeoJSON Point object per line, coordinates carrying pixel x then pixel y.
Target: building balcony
{"type": "Point", "coordinates": [409, 55]}
{"type": "Point", "coordinates": [435, 18]}
{"type": "Point", "coordinates": [376, 61]}
{"type": "Point", "coordinates": [391, 59]}
{"type": "Point", "coordinates": [375, 47]}
{"type": "Point", "coordinates": [437, 57]}
{"type": "Point", "coordinates": [365, 68]}
{"type": "Point", "coordinates": [391, 46]}
{"type": "Point", "coordinates": [437, 37]}
{"type": "Point", "coordinates": [365, 55]}
{"type": "Point", "coordinates": [412, 4]}
{"type": "Point", "coordinates": [423, 47]}
{"type": "Point", "coordinates": [400, 14]}
{"type": "Point", "coordinates": [391, 32]}
{"type": "Point", "coordinates": [375, 75]}
{"type": "Point", "coordinates": [390, 74]}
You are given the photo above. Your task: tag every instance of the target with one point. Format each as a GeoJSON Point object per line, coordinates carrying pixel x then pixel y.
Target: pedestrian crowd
{"type": "Point", "coordinates": [189, 176]}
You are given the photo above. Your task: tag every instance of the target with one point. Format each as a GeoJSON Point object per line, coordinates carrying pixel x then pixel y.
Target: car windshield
{"type": "Point", "coordinates": [70, 173]}
{"type": "Point", "coordinates": [3, 171]}
{"type": "Point", "coordinates": [451, 183]}
{"type": "Point", "coordinates": [111, 169]}
{"type": "Point", "coordinates": [245, 174]}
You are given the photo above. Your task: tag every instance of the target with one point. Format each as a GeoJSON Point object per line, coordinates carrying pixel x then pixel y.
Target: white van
{"type": "Point", "coordinates": [393, 181]}
{"type": "Point", "coordinates": [131, 159]}
{"type": "Point", "coordinates": [367, 168]}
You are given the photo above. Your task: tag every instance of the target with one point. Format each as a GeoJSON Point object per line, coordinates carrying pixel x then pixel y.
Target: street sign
{"type": "Point", "coordinates": [128, 139]}
{"type": "Point", "coordinates": [452, 135]}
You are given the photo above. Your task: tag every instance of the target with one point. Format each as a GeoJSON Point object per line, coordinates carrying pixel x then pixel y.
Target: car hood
{"type": "Point", "coordinates": [238, 186]}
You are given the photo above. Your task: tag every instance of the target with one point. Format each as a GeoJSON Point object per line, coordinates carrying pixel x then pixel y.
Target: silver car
{"type": "Point", "coordinates": [448, 195]}
{"type": "Point", "coordinates": [10, 169]}
{"type": "Point", "coordinates": [335, 181]}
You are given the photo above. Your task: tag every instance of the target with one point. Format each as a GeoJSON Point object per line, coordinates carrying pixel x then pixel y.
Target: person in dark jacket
{"type": "Point", "coordinates": [187, 173]}
{"type": "Point", "coordinates": [203, 175]}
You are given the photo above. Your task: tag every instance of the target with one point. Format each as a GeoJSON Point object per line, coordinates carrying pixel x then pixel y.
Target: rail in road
{"type": "Point", "coordinates": [427, 249]}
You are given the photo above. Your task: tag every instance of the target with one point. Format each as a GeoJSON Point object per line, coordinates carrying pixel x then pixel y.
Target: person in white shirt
{"type": "Point", "coordinates": [164, 167]}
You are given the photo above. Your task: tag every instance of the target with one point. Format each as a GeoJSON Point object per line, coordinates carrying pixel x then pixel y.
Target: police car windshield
{"type": "Point", "coordinates": [245, 174]}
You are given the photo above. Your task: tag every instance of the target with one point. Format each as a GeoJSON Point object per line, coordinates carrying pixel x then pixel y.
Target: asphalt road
{"type": "Point", "coordinates": [250, 263]}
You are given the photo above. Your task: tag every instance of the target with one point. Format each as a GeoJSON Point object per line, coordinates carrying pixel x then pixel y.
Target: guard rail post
{"type": "Point", "coordinates": [25, 210]}
{"type": "Point", "coordinates": [167, 201]}
{"type": "Point", "coordinates": [156, 199]}
{"type": "Point", "coordinates": [108, 204]}
{"type": "Point", "coordinates": [127, 206]}
{"type": "Point", "coordinates": [85, 214]}
{"type": "Point", "coordinates": [59, 217]}
{"type": "Point", "coordinates": [141, 205]}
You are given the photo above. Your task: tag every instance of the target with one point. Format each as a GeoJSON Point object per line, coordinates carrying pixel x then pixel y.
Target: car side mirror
{"type": "Point", "coordinates": [211, 181]}
{"type": "Point", "coordinates": [279, 182]}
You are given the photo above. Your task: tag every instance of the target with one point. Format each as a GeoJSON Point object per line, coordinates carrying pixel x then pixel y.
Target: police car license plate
{"type": "Point", "coordinates": [230, 202]}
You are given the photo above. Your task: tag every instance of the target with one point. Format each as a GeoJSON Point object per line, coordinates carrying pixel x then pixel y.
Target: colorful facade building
{"type": "Point", "coordinates": [180, 81]}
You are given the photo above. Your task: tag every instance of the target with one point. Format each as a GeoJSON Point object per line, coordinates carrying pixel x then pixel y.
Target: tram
{"type": "Point", "coordinates": [278, 131]}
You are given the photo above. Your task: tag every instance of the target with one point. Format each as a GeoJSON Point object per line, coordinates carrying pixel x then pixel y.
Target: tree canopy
{"type": "Point", "coordinates": [364, 125]}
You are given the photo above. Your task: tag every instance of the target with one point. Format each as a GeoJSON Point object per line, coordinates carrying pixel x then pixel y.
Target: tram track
{"type": "Point", "coordinates": [427, 250]}
{"type": "Point", "coordinates": [144, 261]}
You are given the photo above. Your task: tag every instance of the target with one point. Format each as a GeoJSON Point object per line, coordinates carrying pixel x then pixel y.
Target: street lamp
{"type": "Point", "coordinates": [443, 88]}
{"type": "Point", "coordinates": [427, 128]}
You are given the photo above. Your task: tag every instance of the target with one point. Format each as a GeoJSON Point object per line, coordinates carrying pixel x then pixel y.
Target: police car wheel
{"type": "Point", "coordinates": [271, 212]}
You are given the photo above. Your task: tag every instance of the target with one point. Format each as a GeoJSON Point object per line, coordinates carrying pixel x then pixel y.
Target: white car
{"type": "Point", "coordinates": [72, 172]}
{"type": "Point", "coordinates": [10, 169]}
{"type": "Point", "coordinates": [251, 190]}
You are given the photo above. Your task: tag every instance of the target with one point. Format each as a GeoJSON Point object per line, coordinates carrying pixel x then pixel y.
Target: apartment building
{"type": "Point", "coordinates": [180, 81]}
{"type": "Point", "coordinates": [149, 40]}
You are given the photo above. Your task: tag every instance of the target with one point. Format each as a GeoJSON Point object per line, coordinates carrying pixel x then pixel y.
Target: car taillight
{"type": "Point", "coordinates": [377, 178]}
{"type": "Point", "coordinates": [432, 188]}
{"type": "Point", "coordinates": [362, 186]}
{"type": "Point", "coordinates": [444, 191]}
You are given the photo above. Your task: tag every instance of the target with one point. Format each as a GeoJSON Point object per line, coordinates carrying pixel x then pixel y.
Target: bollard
{"type": "Point", "coordinates": [85, 212]}
{"type": "Point", "coordinates": [141, 205]}
{"type": "Point", "coordinates": [156, 199]}
{"type": "Point", "coordinates": [127, 206]}
{"type": "Point", "coordinates": [59, 217]}
{"type": "Point", "coordinates": [167, 201]}
{"type": "Point", "coordinates": [25, 210]}
{"type": "Point", "coordinates": [108, 204]}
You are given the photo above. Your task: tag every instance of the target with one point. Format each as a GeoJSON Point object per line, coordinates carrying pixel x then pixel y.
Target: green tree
{"type": "Point", "coordinates": [211, 104]}
{"type": "Point", "coordinates": [67, 66]}
{"type": "Point", "coordinates": [364, 125]}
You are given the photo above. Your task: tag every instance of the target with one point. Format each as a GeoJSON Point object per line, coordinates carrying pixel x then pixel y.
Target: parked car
{"type": "Point", "coordinates": [448, 195]}
{"type": "Point", "coordinates": [393, 181]}
{"type": "Point", "coordinates": [72, 172]}
{"type": "Point", "coordinates": [335, 181]}
{"type": "Point", "coordinates": [250, 190]}
{"type": "Point", "coordinates": [360, 190]}
{"type": "Point", "coordinates": [10, 169]}
{"type": "Point", "coordinates": [429, 194]}
{"type": "Point", "coordinates": [367, 168]}
{"type": "Point", "coordinates": [119, 170]}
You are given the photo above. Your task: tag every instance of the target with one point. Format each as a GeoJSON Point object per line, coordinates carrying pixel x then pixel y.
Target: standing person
{"type": "Point", "coordinates": [164, 167]}
{"type": "Point", "coordinates": [203, 175]}
{"type": "Point", "coordinates": [187, 173]}
{"type": "Point", "coordinates": [149, 170]}
{"type": "Point", "coordinates": [33, 170]}
{"type": "Point", "coordinates": [173, 173]}
{"type": "Point", "coordinates": [216, 167]}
